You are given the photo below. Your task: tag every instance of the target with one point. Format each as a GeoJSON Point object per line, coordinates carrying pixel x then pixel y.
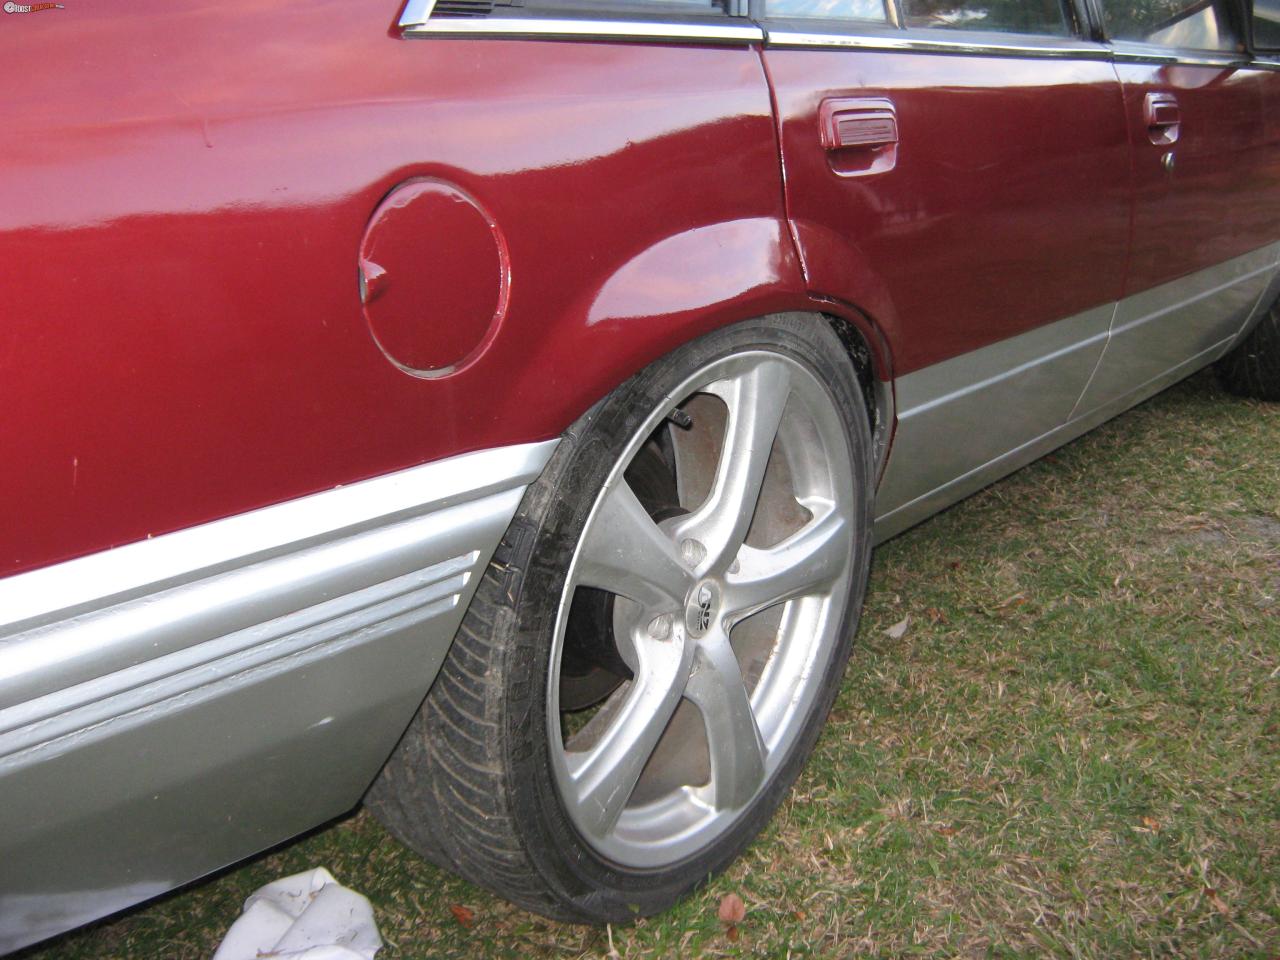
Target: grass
{"type": "Point", "coordinates": [1073, 751]}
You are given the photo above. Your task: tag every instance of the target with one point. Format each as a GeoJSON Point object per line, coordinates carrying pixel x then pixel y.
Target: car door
{"type": "Point", "coordinates": [1204, 219]}
{"type": "Point", "coordinates": [958, 171]}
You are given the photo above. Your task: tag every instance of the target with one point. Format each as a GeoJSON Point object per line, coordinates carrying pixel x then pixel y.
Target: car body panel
{"type": "Point", "coordinates": [1158, 329]}
{"type": "Point", "coordinates": [209, 198]}
{"type": "Point", "coordinates": [188, 370]}
{"type": "Point", "coordinates": [1204, 212]}
{"type": "Point", "coordinates": [1176, 328]}
{"type": "Point", "coordinates": [996, 398]}
{"type": "Point", "coordinates": [227, 686]}
{"type": "Point", "coordinates": [979, 166]}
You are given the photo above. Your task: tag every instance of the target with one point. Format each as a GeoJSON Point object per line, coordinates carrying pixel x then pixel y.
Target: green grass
{"type": "Point", "coordinates": [1074, 750]}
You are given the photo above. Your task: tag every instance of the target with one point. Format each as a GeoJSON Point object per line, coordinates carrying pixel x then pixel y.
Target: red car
{"type": "Point", "coordinates": [560, 362]}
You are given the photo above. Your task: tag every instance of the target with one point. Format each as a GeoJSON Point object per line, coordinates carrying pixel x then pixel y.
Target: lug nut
{"type": "Point", "coordinates": [693, 552]}
{"type": "Point", "coordinates": [660, 627]}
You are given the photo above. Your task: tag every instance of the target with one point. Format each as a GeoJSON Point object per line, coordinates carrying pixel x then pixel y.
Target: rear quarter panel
{"type": "Point", "coordinates": [183, 189]}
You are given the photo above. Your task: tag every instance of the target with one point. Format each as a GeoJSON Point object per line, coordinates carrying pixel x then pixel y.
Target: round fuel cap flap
{"type": "Point", "coordinates": [433, 277]}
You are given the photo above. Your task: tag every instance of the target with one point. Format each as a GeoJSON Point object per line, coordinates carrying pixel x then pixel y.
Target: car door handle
{"type": "Point", "coordinates": [857, 123]}
{"type": "Point", "coordinates": [859, 135]}
{"type": "Point", "coordinates": [1163, 117]}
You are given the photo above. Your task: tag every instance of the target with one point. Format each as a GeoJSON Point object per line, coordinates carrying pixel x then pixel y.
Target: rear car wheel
{"type": "Point", "coordinates": [657, 642]}
{"type": "Point", "coordinates": [1252, 368]}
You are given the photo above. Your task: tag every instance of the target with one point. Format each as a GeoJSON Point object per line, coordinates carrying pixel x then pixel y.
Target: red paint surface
{"type": "Point", "coordinates": [185, 186]}
{"type": "Point", "coordinates": [1221, 199]}
{"type": "Point", "coordinates": [437, 276]}
{"type": "Point", "coordinates": [1007, 207]}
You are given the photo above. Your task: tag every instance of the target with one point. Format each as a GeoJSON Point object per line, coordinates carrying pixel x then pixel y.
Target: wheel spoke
{"type": "Point", "coordinates": [807, 562]}
{"type": "Point", "coordinates": [755, 401]}
{"type": "Point", "coordinates": [605, 776]}
{"type": "Point", "coordinates": [625, 553]}
{"type": "Point", "coordinates": [736, 748]}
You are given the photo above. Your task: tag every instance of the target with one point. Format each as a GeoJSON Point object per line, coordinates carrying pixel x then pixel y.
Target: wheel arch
{"type": "Point", "coordinates": [690, 284]}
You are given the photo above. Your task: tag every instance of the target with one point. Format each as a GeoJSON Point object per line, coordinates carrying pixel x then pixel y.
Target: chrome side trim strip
{"type": "Point", "coordinates": [889, 43]}
{"type": "Point", "coordinates": [533, 28]}
{"type": "Point", "coordinates": [1181, 59]}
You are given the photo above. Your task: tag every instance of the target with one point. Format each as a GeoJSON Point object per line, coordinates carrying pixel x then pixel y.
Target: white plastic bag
{"type": "Point", "coordinates": [309, 916]}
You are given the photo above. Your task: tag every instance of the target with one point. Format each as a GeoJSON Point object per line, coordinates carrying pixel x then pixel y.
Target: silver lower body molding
{"type": "Point", "coordinates": [970, 420]}
{"type": "Point", "coordinates": [175, 705]}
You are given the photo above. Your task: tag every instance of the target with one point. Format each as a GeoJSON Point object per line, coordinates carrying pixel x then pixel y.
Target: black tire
{"type": "Point", "coordinates": [1252, 368]}
{"type": "Point", "coordinates": [471, 786]}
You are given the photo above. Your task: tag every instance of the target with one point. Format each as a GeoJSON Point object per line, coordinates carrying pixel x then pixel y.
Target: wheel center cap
{"type": "Point", "coordinates": [701, 608]}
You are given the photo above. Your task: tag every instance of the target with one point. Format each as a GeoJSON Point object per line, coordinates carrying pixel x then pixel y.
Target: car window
{"type": "Point", "coordinates": [1266, 24]}
{"type": "Point", "coordinates": [1196, 25]}
{"type": "Point", "coordinates": [1005, 16]}
{"type": "Point", "coordinates": [834, 9]}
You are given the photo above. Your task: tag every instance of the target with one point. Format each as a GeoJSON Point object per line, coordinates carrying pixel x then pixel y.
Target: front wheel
{"type": "Point", "coordinates": [657, 642]}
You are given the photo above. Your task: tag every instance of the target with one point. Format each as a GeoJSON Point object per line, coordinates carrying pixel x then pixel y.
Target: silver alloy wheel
{"type": "Point", "coordinates": [727, 614]}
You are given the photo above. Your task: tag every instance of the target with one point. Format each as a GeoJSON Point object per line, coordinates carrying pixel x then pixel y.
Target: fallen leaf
{"type": "Point", "coordinates": [947, 831]}
{"type": "Point", "coordinates": [899, 629]}
{"type": "Point", "coordinates": [732, 909]}
{"type": "Point", "coordinates": [936, 615]}
{"type": "Point", "coordinates": [1217, 902]}
{"type": "Point", "coordinates": [732, 934]}
{"type": "Point", "coordinates": [797, 915]}
{"type": "Point", "coordinates": [1151, 823]}
{"type": "Point", "coordinates": [463, 915]}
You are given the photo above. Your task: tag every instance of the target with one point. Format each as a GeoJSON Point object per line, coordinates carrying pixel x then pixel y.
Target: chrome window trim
{"type": "Point", "coordinates": [416, 22]}
{"type": "Point", "coordinates": [784, 38]}
{"type": "Point", "coordinates": [1130, 52]}
{"type": "Point", "coordinates": [550, 29]}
